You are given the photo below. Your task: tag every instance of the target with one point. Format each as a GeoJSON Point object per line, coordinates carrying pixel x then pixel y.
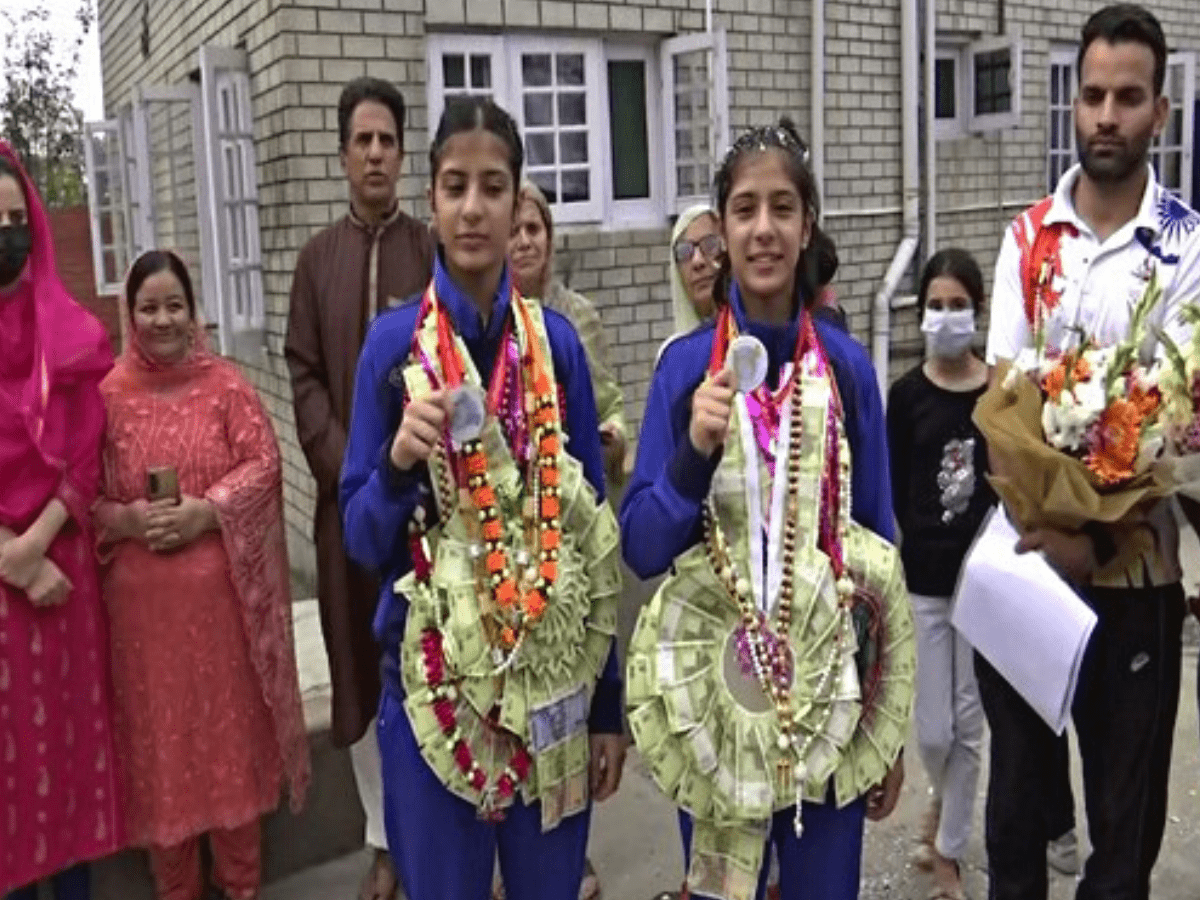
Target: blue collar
{"type": "Point", "coordinates": [780, 340]}
{"type": "Point", "coordinates": [462, 309]}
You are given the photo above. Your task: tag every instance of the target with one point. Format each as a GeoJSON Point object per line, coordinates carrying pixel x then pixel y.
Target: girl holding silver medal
{"type": "Point", "coordinates": [500, 717]}
{"type": "Point", "coordinates": [770, 678]}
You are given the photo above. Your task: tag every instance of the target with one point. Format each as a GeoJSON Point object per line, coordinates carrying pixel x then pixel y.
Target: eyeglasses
{"type": "Point", "coordinates": [710, 245]}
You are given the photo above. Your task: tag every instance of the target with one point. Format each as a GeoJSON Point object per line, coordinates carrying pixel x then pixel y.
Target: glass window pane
{"type": "Point", "coordinates": [683, 175]}
{"type": "Point", "coordinates": [481, 71]}
{"type": "Point", "coordinates": [111, 275]}
{"type": "Point", "coordinates": [539, 149]}
{"type": "Point", "coordinates": [572, 147]}
{"type": "Point", "coordinates": [548, 182]}
{"type": "Point", "coordinates": [944, 89]}
{"type": "Point", "coordinates": [627, 129]}
{"type": "Point", "coordinates": [1054, 86]}
{"type": "Point", "coordinates": [575, 186]}
{"type": "Point", "coordinates": [1172, 174]}
{"type": "Point", "coordinates": [539, 109]}
{"type": "Point", "coordinates": [569, 68]}
{"type": "Point", "coordinates": [1055, 137]}
{"type": "Point", "coordinates": [535, 69]}
{"type": "Point", "coordinates": [683, 143]}
{"type": "Point", "coordinates": [572, 109]}
{"type": "Point", "coordinates": [453, 70]}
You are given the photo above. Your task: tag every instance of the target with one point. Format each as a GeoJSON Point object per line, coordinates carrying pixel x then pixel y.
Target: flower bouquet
{"type": "Point", "coordinates": [1077, 435]}
{"type": "Point", "coordinates": [1180, 415]}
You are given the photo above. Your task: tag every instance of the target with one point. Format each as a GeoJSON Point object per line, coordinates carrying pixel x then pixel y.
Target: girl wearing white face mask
{"type": "Point", "coordinates": [940, 495]}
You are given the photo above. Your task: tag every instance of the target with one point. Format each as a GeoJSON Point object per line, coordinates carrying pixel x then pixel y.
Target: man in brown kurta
{"type": "Point", "coordinates": [373, 257]}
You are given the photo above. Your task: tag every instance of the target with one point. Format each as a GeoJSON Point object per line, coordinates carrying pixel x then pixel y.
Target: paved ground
{"type": "Point", "coordinates": [635, 845]}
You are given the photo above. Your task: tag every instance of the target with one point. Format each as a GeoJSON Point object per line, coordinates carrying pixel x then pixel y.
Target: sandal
{"type": "Point", "coordinates": [379, 882]}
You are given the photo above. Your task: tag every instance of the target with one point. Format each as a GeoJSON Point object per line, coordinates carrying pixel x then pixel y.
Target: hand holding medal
{"type": "Point", "coordinates": [712, 404]}
{"type": "Point", "coordinates": [421, 429]}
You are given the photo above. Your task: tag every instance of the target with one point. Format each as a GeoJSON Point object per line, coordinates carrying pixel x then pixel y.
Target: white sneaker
{"type": "Point", "coordinates": [1062, 854]}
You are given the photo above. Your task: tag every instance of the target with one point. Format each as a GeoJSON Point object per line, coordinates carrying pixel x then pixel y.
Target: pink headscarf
{"type": "Point", "coordinates": [47, 340]}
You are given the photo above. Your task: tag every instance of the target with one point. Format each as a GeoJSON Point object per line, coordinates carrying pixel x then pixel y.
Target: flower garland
{"type": "Point", "coordinates": [764, 642]}
{"type": "Point", "coordinates": [516, 605]}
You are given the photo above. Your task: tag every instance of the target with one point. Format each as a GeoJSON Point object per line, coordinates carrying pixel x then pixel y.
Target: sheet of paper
{"type": "Point", "coordinates": [1025, 620]}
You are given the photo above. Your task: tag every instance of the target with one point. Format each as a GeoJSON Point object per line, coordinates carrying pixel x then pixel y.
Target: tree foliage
{"type": "Point", "coordinates": [38, 114]}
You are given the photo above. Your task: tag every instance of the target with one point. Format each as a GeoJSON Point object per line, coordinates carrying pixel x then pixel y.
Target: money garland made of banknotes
{"type": "Point", "coordinates": [513, 593]}
{"type": "Point", "coordinates": [742, 707]}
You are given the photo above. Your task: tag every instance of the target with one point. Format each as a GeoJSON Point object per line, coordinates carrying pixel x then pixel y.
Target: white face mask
{"type": "Point", "coordinates": [948, 333]}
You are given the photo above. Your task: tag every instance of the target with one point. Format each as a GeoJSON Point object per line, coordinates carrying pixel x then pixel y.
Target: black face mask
{"type": "Point", "coordinates": [15, 241]}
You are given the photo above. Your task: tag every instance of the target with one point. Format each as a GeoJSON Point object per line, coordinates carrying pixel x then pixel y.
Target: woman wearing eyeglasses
{"type": "Point", "coordinates": [696, 250]}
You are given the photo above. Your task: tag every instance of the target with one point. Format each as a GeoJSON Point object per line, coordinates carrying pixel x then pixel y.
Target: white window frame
{"type": "Point", "coordinates": [437, 45]}
{"type": "Point", "coordinates": [1012, 117]}
{"type": "Point", "coordinates": [1187, 104]}
{"type": "Point", "coordinates": [956, 127]}
{"type": "Point", "coordinates": [596, 92]}
{"type": "Point", "coordinates": [718, 97]}
{"type": "Point", "coordinates": [230, 272]}
{"type": "Point", "coordinates": [114, 206]}
{"type": "Point", "coordinates": [635, 211]}
{"type": "Point", "coordinates": [603, 209]}
{"type": "Point", "coordinates": [1061, 58]}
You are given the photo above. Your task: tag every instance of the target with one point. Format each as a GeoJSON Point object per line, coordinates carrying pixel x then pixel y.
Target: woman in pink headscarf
{"type": "Point", "coordinates": [207, 716]}
{"type": "Point", "coordinates": [58, 799]}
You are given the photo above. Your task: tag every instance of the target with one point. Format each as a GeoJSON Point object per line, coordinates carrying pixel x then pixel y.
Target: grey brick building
{"type": "Point", "coordinates": [221, 139]}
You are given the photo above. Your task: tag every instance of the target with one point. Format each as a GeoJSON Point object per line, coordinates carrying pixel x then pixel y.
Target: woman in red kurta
{"type": "Point", "coordinates": [208, 716]}
{"type": "Point", "coordinates": [58, 799]}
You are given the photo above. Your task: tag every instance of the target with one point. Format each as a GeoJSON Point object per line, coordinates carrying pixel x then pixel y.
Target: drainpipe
{"type": "Point", "coordinates": [817, 103]}
{"type": "Point", "coordinates": [930, 128]}
{"type": "Point", "coordinates": [881, 312]}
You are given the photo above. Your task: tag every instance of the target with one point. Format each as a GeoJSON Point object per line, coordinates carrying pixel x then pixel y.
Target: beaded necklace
{"type": "Point", "coordinates": [512, 598]}
{"type": "Point", "coordinates": [765, 639]}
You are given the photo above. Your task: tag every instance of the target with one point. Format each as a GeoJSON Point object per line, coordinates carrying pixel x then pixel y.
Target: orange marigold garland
{"type": "Point", "coordinates": [516, 606]}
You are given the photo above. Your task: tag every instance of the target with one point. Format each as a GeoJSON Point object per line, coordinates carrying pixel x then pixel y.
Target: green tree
{"type": "Point", "coordinates": [38, 115]}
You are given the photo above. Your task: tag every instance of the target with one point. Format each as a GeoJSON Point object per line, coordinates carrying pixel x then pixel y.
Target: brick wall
{"type": "Point", "coordinates": [301, 52]}
{"type": "Point", "coordinates": [71, 228]}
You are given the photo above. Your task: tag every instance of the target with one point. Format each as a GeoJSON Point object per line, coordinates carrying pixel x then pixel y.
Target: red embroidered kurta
{"type": "Point", "coordinates": [207, 713]}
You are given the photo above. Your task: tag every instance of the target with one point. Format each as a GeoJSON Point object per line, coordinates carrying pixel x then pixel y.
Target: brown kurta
{"type": "Point", "coordinates": [326, 326]}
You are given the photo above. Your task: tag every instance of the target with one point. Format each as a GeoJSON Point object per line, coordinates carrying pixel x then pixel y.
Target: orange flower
{"type": "Point", "coordinates": [508, 636]}
{"type": "Point", "coordinates": [477, 463]}
{"type": "Point", "coordinates": [1116, 448]}
{"type": "Point", "coordinates": [541, 384]}
{"type": "Point", "coordinates": [1056, 379]}
{"type": "Point", "coordinates": [1146, 401]}
{"type": "Point", "coordinates": [506, 593]}
{"type": "Point", "coordinates": [550, 476]}
{"type": "Point", "coordinates": [550, 539]}
{"type": "Point", "coordinates": [492, 530]}
{"type": "Point", "coordinates": [544, 416]}
{"type": "Point", "coordinates": [483, 497]}
{"type": "Point", "coordinates": [495, 562]}
{"type": "Point", "coordinates": [548, 446]}
{"type": "Point", "coordinates": [534, 604]}
{"type": "Point", "coordinates": [549, 507]}
{"type": "Point", "coordinates": [549, 570]}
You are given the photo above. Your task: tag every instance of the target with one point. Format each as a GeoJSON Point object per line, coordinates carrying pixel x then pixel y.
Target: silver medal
{"type": "Point", "coordinates": [468, 412]}
{"type": "Point", "coordinates": [747, 357]}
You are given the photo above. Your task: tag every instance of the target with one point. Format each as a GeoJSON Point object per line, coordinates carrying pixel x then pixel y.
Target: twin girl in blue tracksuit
{"type": "Point", "coordinates": [448, 809]}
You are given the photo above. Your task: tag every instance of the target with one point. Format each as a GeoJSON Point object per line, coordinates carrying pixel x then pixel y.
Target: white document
{"type": "Point", "coordinates": [1025, 620]}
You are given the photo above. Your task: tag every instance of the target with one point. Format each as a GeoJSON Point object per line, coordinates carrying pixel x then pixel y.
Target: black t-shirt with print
{"type": "Point", "coordinates": [939, 489]}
